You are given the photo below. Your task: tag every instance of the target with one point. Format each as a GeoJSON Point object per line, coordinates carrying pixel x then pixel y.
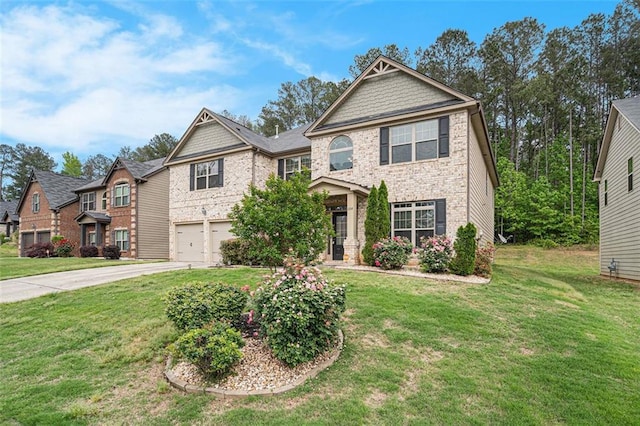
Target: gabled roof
{"type": "Point", "coordinates": [339, 183]}
{"type": "Point", "coordinates": [59, 189]}
{"type": "Point", "coordinates": [97, 216]}
{"type": "Point", "coordinates": [139, 171]}
{"type": "Point", "coordinates": [8, 211]}
{"type": "Point", "coordinates": [289, 141]}
{"type": "Point", "coordinates": [380, 67]}
{"type": "Point", "coordinates": [628, 108]}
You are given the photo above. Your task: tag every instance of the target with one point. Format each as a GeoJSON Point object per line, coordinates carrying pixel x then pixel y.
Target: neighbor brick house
{"type": "Point", "coordinates": [427, 141]}
{"type": "Point", "coordinates": [617, 174]}
{"type": "Point", "coordinates": [128, 208]}
{"type": "Point", "coordinates": [9, 219]}
{"type": "Point", "coordinates": [47, 208]}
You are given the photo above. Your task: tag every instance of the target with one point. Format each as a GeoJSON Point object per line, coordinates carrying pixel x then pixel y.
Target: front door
{"type": "Point", "coordinates": [340, 228]}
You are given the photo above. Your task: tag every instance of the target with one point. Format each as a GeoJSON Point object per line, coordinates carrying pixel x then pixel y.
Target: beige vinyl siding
{"type": "Point", "coordinates": [481, 208]}
{"type": "Point", "coordinates": [390, 92]}
{"type": "Point", "coordinates": [207, 137]}
{"type": "Point", "coordinates": [153, 217]}
{"type": "Point", "coordinates": [620, 219]}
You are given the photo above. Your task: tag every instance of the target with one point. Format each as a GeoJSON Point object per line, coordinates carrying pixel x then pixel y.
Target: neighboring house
{"type": "Point", "coordinates": [9, 219]}
{"type": "Point", "coordinates": [617, 170]}
{"type": "Point", "coordinates": [47, 208]}
{"type": "Point", "coordinates": [128, 208]}
{"type": "Point", "coordinates": [427, 141]}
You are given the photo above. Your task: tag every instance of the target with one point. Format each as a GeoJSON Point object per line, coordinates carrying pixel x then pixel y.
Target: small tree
{"type": "Point", "coordinates": [370, 226]}
{"type": "Point", "coordinates": [465, 247]}
{"type": "Point", "coordinates": [282, 219]}
{"type": "Point", "coordinates": [383, 214]}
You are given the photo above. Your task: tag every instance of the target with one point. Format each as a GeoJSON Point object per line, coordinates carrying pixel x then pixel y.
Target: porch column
{"type": "Point", "coordinates": [351, 244]}
{"type": "Point", "coordinates": [98, 234]}
{"type": "Point", "coordinates": [83, 234]}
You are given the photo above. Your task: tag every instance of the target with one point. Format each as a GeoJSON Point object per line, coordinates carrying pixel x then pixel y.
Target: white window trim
{"type": "Point", "coordinates": [35, 203]}
{"type": "Point", "coordinates": [340, 150]}
{"type": "Point", "coordinates": [289, 173]}
{"type": "Point", "coordinates": [104, 200]}
{"type": "Point", "coordinates": [413, 207]}
{"type": "Point", "coordinates": [86, 201]}
{"type": "Point", "coordinates": [208, 174]}
{"type": "Point", "coordinates": [414, 141]}
{"type": "Point", "coordinates": [121, 197]}
{"type": "Point", "coordinates": [121, 242]}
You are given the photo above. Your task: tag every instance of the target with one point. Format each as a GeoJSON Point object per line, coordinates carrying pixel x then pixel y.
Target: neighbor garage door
{"type": "Point", "coordinates": [189, 243]}
{"type": "Point", "coordinates": [220, 231]}
{"type": "Point", "coordinates": [26, 242]}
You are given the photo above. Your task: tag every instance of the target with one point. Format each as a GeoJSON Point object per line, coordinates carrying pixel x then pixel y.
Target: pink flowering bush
{"type": "Point", "coordinates": [299, 312]}
{"type": "Point", "coordinates": [392, 253]}
{"type": "Point", "coordinates": [435, 253]}
{"type": "Point", "coordinates": [484, 259]}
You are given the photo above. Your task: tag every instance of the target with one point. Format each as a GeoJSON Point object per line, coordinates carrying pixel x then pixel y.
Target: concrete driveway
{"type": "Point", "coordinates": [16, 289]}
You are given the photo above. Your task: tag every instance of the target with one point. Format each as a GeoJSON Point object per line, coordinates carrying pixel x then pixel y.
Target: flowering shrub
{"type": "Point", "coordinates": [392, 253]}
{"type": "Point", "coordinates": [299, 312]}
{"type": "Point", "coordinates": [435, 253]}
{"type": "Point", "coordinates": [63, 247]}
{"type": "Point", "coordinates": [484, 259]}
{"type": "Point", "coordinates": [214, 349]}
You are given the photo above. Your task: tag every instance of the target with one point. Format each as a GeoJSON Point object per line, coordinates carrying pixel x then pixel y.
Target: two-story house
{"type": "Point", "coordinates": [428, 142]}
{"type": "Point", "coordinates": [617, 170]}
{"type": "Point", "coordinates": [9, 219]}
{"type": "Point", "coordinates": [47, 208]}
{"type": "Point", "coordinates": [128, 208]}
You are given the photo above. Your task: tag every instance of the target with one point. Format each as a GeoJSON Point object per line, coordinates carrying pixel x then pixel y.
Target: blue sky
{"type": "Point", "coordinates": [89, 77]}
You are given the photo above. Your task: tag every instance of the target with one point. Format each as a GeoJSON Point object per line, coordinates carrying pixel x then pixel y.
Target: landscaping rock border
{"type": "Point", "coordinates": [234, 394]}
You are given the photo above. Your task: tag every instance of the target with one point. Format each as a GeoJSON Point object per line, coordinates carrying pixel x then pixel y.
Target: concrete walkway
{"type": "Point", "coordinates": [15, 289]}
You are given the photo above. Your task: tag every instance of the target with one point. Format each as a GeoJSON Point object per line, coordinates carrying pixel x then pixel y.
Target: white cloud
{"type": "Point", "coordinates": [73, 80]}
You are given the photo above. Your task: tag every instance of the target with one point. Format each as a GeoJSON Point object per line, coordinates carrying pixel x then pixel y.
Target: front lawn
{"type": "Point", "coordinates": [547, 341]}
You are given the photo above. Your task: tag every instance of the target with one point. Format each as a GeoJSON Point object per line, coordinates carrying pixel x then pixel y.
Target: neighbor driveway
{"type": "Point", "coordinates": [16, 289]}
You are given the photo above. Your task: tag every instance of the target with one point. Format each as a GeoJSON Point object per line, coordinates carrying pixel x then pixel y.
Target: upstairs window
{"type": "Point", "coordinates": [35, 203]}
{"type": "Point", "coordinates": [417, 141]}
{"type": "Point", "coordinates": [341, 154]}
{"type": "Point", "coordinates": [207, 175]}
{"type": "Point", "coordinates": [630, 174]}
{"type": "Point", "coordinates": [121, 195]}
{"type": "Point", "coordinates": [88, 202]}
{"type": "Point", "coordinates": [287, 167]}
{"type": "Point", "coordinates": [104, 200]}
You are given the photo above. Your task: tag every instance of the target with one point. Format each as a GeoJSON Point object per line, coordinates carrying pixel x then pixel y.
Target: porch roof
{"type": "Point", "coordinates": [96, 216]}
{"type": "Point", "coordinates": [337, 186]}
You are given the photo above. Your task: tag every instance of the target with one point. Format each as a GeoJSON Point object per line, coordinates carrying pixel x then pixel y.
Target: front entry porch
{"type": "Point", "coordinates": [342, 205]}
{"type": "Point", "coordinates": [92, 228]}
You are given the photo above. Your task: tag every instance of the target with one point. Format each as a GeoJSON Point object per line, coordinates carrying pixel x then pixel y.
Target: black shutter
{"type": "Point", "coordinates": [443, 137]}
{"type": "Point", "coordinates": [441, 216]}
{"type": "Point", "coordinates": [281, 168]}
{"type": "Point", "coordinates": [384, 145]}
{"type": "Point", "coordinates": [221, 172]}
{"type": "Point", "coordinates": [192, 175]}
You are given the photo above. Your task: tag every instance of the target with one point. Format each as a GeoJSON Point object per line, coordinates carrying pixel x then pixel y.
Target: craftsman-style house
{"type": "Point", "coordinates": [617, 173]}
{"type": "Point", "coordinates": [427, 141]}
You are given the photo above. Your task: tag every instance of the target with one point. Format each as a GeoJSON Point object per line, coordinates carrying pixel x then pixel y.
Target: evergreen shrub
{"type": "Point", "coordinates": [465, 250]}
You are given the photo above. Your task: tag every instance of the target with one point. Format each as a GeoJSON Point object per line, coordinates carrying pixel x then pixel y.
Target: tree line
{"type": "Point", "coordinates": [16, 162]}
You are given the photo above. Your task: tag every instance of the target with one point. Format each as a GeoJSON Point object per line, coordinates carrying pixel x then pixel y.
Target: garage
{"type": "Point", "coordinates": [189, 243]}
{"type": "Point", "coordinates": [26, 242]}
{"type": "Point", "coordinates": [220, 231]}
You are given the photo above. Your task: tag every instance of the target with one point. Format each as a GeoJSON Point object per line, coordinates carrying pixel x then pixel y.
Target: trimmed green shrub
{"type": "Point", "coordinates": [484, 260]}
{"type": "Point", "coordinates": [435, 253]}
{"type": "Point", "coordinates": [392, 253]}
{"type": "Point", "coordinates": [465, 248]}
{"type": "Point", "coordinates": [370, 226]}
{"type": "Point", "coordinates": [197, 304]}
{"type": "Point", "coordinates": [40, 250]}
{"type": "Point", "coordinates": [237, 252]}
{"type": "Point", "coordinates": [88, 251]}
{"type": "Point", "coordinates": [299, 312]}
{"type": "Point", "coordinates": [383, 215]}
{"type": "Point", "coordinates": [111, 252]}
{"type": "Point", "coordinates": [214, 349]}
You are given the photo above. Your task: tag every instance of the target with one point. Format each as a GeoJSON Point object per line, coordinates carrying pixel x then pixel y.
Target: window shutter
{"type": "Point", "coordinates": [221, 172]}
{"type": "Point", "coordinates": [443, 137]}
{"type": "Point", "coordinates": [441, 216]}
{"type": "Point", "coordinates": [384, 145]}
{"type": "Point", "coordinates": [281, 168]}
{"type": "Point", "coordinates": [192, 175]}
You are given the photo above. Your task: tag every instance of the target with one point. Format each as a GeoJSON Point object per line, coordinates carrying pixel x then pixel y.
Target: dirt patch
{"type": "Point", "coordinates": [376, 399]}
{"type": "Point", "coordinates": [374, 340]}
{"type": "Point", "coordinates": [526, 351]}
{"type": "Point", "coordinates": [567, 304]}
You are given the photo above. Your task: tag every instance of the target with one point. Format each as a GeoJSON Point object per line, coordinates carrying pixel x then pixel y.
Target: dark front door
{"type": "Point", "coordinates": [340, 228]}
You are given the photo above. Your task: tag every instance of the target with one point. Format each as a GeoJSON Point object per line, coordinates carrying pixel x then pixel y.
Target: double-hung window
{"type": "Point", "coordinates": [341, 153]}
{"type": "Point", "coordinates": [414, 142]}
{"type": "Point", "coordinates": [207, 175]}
{"type": "Point", "coordinates": [414, 220]}
{"type": "Point", "coordinates": [88, 201]}
{"type": "Point", "coordinates": [122, 239]}
{"type": "Point", "coordinates": [104, 200]}
{"type": "Point", "coordinates": [121, 195]}
{"type": "Point", "coordinates": [35, 203]}
{"type": "Point", "coordinates": [296, 164]}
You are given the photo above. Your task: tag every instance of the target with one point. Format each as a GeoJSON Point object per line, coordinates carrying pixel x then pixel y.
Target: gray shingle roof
{"type": "Point", "coordinates": [91, 185]}
{"type": "Point", "coordinates": [630, 108]}
{"type": "Point", "coordinates": [59, 189]}
{"type": "Point", "coordinates": [9, 207]}
{"type": "Point", "coordinates": [141, 170]}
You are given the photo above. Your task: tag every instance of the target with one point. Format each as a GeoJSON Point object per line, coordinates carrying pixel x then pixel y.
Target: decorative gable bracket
{"type": "Point", "coordinates": [381, 68]}
{"type": "Point", "coordinates": [204, 118]}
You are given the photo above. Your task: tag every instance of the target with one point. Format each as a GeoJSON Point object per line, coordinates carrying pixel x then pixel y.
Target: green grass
{"type": "Point", "coordinates": [546, 342]}
{"type": "Point", "coordinates": [12, 266]}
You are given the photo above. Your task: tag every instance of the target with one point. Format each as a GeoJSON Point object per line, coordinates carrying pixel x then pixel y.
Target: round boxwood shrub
{"type": "Point", "coordinates": [213, 350]}
{"type": "Point", "coordinates": [299, 312]}
{"type": "Point", "coordinates": [88, 251]}
{"type": "Point", "coordinates": [197, 304]}
{"type": "Point", "coordinates": [111, 252]}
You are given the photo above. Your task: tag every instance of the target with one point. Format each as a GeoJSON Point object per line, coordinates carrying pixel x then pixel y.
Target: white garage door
{"type": "Point", "coordinates": [190, 243]}
{"type": "Point", "coordinates": [220, 231]}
